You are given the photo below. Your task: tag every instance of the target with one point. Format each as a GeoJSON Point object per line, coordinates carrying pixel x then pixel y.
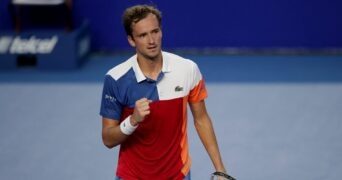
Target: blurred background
{"type": "Point", "coordinates": [215, 24]}
{"type": "Point", "coordinates": [273, 71]}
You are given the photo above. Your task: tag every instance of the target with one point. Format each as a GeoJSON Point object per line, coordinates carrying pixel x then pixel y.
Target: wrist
{"type": "Point", "coordinates": [222, 174]}
{"type": "Point", "coordinates": [126, 127]}
{"type": "Point", "coordinates": [220, 168]}
{"type": "Point", "coordinates": [133, 121]}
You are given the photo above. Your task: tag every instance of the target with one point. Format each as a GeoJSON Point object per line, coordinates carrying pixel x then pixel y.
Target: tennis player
{"type": "Point", "coordinates": [144, 105]}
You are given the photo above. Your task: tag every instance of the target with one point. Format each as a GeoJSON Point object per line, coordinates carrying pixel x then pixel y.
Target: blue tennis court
{"type": "Point", "coordinates": [276, 117]}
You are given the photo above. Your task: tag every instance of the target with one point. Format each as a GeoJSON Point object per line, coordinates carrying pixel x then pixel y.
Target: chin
{"type": "Point", "coordinates": [153, 55]}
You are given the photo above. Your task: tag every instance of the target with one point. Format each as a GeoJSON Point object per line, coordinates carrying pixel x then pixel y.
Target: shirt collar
{"type": "Point", "coordinates": [140, 75]}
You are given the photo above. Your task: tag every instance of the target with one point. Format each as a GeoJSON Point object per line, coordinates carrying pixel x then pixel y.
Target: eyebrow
{"type": "Point", "coordinates": [153, 30]}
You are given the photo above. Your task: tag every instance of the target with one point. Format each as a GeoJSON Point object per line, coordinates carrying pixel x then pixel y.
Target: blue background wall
{"type": "Point", "coordinates": [218, 23]}
{"type": "Point", "coordinates": [275, 117]}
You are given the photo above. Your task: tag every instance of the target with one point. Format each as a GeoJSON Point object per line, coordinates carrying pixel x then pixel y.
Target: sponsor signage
{"type": "Point", "coordinates": [51, 50]}
{"type": "Point", "coordinates": [30, 45]}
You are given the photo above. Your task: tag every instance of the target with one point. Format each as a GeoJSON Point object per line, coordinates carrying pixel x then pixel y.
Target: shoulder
{"type": "Point", "coordinates": [179, 61]}
{"type": "Point", "coordinates": [121, 69]}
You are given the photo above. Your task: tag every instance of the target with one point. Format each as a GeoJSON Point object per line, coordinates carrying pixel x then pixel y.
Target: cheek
{"type": "Point", "coordinates": [159, 38]}
{"type": "Point", "coordinates": [139, 44]}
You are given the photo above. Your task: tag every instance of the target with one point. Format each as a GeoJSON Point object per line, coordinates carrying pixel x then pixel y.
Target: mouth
{"type": "Point", "coordinates": [152, 47]}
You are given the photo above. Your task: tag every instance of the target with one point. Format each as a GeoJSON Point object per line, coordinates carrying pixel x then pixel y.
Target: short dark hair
{"type": "Point", "coordinates": [136, 13]}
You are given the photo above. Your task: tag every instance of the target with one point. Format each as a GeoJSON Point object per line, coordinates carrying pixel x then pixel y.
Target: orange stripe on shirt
{"type": "Point", "coordinates": [184, 140]}
{"type": "Point", "coordinates": [198, 93]}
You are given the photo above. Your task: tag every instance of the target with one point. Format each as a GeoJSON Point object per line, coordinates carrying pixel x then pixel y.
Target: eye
{"type": "Point", "coordinates": [155, 31]}
{"type": "Point", "coordinates": [142, 35]}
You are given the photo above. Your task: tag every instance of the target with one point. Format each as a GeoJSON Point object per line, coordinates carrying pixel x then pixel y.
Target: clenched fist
{"type": "Point", "coordinates": [141, 109]}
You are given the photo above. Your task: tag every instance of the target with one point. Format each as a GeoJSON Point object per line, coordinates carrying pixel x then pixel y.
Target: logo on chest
{"type": "Point", "coordinates": [178, 88]}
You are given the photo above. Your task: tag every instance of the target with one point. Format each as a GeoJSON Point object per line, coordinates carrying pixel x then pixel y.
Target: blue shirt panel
{"type": "Point", "coordinates": [125, 91]}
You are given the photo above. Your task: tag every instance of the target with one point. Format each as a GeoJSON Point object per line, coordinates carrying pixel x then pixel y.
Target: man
{"type": "Point", "coordinates": [144, 105]}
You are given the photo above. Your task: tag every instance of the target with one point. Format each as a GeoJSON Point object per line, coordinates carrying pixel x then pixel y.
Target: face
{"type": "Point", "coordinates": [147, 37]}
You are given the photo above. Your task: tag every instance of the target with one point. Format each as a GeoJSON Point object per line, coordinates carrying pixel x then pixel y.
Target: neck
{"type": "Point", "coordinates": [151, 67]}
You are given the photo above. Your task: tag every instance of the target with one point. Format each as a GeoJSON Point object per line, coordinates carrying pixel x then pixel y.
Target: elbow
{"type": "Point", "coordinates": [110, 140]}
{"type": "Point", "coordinates": [108, 144]}
{"type": "Point", "coordinates": [201, 123]}
{"type": "Point", "coordinates": [198, 123]}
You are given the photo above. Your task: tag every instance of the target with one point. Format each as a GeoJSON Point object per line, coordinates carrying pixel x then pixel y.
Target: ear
{"type": "Point", "coordinates": [131, 40]}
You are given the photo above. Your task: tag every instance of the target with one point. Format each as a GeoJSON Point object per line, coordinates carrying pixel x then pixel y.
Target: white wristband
{"type": "Point", "coordinates": [126, 126]}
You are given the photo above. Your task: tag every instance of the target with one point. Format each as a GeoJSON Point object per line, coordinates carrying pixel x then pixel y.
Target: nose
{"type": "Point", "coordinates": [150, 39]}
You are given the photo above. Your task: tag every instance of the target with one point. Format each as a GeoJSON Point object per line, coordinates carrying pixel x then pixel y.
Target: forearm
{"type": "Point", "coordinates": [112, 136]}
{"type": "Point", "coordinates": [206, 133]}
{"type": "Point", "coordinates": [112, 133]}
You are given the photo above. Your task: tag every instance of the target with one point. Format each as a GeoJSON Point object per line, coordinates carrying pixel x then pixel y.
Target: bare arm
{"type": "Point", "coordinates": [111, 133]}
{"type": "Point", "coordinates": [206, 133]}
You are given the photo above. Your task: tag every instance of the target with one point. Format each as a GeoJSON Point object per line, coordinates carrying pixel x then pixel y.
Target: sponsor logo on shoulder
{"type": "Point", "coordinates": [110, 98]}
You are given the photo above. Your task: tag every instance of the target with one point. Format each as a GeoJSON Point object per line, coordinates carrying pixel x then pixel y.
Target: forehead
{"type": "Point", "coordinates": [147, 24]}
